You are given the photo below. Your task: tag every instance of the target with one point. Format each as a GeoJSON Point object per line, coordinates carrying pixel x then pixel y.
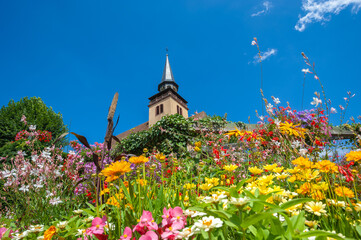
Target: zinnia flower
{"type": "Point", "coordinates": [115, 170]}
{"type": "Point", "coordinates": [230, 168]}
{"type": "Point", "coordinates": [353, 156]}
{"type": "Point", "coordinates": [49, 233]}
{"type": "Point", "coordinates": [207, 223]}
{"type": "Point", "coordinates": [317, 208]}
{"type": "Point", "coordinates": [344, 192]}
{"type": "Point", "coordinates": [138, 160]}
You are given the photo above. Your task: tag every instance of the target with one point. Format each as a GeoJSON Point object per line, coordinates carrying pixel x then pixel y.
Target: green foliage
{"type": "Point", "coordinates": [36, 112]}
{"type": "Point", "coordinates": [171, 134]}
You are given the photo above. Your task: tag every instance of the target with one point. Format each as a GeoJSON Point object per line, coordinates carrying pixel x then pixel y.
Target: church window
{"type": "Point", "coordinates": [157, 110]}
{"type": "Point", "coordinates": [180, 111]}
{"type": "Point", "coordinates": [161, 108]}
{"type": "Point", "coordinates": [177, 109]}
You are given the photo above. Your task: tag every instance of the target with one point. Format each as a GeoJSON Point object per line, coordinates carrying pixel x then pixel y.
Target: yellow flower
{"type": "Point", "coordinates": [326, 166]}
{"type": "Point", "coordinates": [189, 186]}
{"type": "Point", "coordinates": [198, 144]}
{"type": "Point", "coordinates": [114, 200]}
{"type": "Point", "coordinates": [115, 170]}
{"type": "Point", "coordinates": [142, 182]}
{"type": "Point", "coordinates": [304, 188]}
{"type": "Point", "coordinates": [255, 170]}
{"type": "Point", "coordinates": [230, 168]}
{"type": "Point", "coordinates": [278, 169]}
{"type": "Point", "coordinates": [270, 167]}
{"type": "Point", "coordinates": [353, 156]}
{"type": "Point", "coordinates": [317, 208]}
{"type": "Point", "coordinates": [320, 186]}
{"type": "Point", "coordinates": [292, 179]}
{"type": "Point", "coordinates": [213, 181]}
{"type": "Point", "coordinates": [235, 132]}
{"type": "Point", "coordinates": [344, 192]}
{"type": "Point", "coordinates": [309, 175]}
{"type": "Point", "coordinates": [138, 160]}
{"type": "Point", "coordinates": [290, 129]}
{"type": "Point", "coordinates": [317, 195]}
{"type": "Point", "coordinates": [293, 171]}
{"type": "Point", "coordinates": [206, 186]}
{"type": "Point", "coordinates": [197, 149]}
{"type": "Point", "coordinates": [282, 176]}
{"type": "Point", "coordinates": [311, 224]}
{"type": "Point", "coordinates": [49, 233]}
{"type": "Point", "coordinates": [160, 156]}
{"type": "Point", "coordinates": [265, 180]}
{"type": "Point", "coordinates": [302, 163]}
{"type": "Point", "coordinates": [106, 190]}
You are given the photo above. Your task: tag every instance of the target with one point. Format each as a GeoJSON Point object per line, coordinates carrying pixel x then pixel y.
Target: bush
{"type": "Point", "coordinates": [36, 112]}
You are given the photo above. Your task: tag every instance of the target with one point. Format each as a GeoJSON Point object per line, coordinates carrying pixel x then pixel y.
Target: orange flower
{"type": "Point", "coordinates": [353, 156]}
{"type": "Point", "coordinates": [49, 233]}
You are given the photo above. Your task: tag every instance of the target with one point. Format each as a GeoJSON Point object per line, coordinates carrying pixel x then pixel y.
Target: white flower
{"type": "Point", "coordinates": [55, 201]}
{"type": "Point", "coordinates": [32, 128]}
{"type": "Point", "coordinates": [6, 173]}
{"type": "Point", "coordinates": [36, 228]}
{"type": "Point", "coordinates": [276, 101]}
{"type": "Point", "coordinates": [39, 185]}
{"type": "Point", "coordinates": [306, 70]}
{"type": "Point", "coordinates": [34, 158]}
{"type": "Point", "coordinates": [24, 188]}
{"type": "Point", "coordinates": [336, 203]}
{"type": "Point", "coordinates": [214, 198]}
{"type": "Point", "coordinates": [317, 208]}
{"type": "Point", "coordinates": [187, 232]}
{"type": "Point", "coordinates": [239, 201]}
{"type": "Point", "coordinates": [269, 107]}
{"type": "Point", "coordinates": [40, 237]}
{"type": "Point", "coordinates": [62, 224]}
{"type": "Point", "coordinates": [78, 211]}
{"type": "Point", "coordinates": [81, 232]}
{"type": "Point", "coordinates": [253, 43]}
{"type": "Point", "coordinates": [316, 101]}
{"type": "Point", "coordinates": [277, 143]}
{"type": "Point", "coordinates": [296, 144]}
{"type": "Point", "coordinates": [333, 110]}
{"type": "Point", "coordinates": [193, 214]}
{"type": "Point", "coordinates": [207, 223]}
{"type": "Point", "coordinates": [303, 151]}
{"type": "Point", "coordinates": [49, 194]}
{"type": "Point", "coordinates": [89, 219]}
{"type": "Point", "coordinates": [277, 122]}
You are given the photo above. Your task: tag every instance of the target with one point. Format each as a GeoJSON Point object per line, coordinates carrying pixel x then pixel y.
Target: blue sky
{"type": "Point", "coordinates": [76, 54]}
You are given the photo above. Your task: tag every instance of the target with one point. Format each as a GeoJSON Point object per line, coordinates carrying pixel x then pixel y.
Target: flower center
{"type": "Point", "coordinates": [97, 226]}
{"type": "Point", "coordinates": [125, 235]}
{"type": "Point", "coordinates": [207, 223]}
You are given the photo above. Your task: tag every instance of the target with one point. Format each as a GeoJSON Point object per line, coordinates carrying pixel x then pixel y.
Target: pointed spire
{"type": "Point", "coordinates": [167, 77]}
{"type": "Point", "coordinates": [167, 72]}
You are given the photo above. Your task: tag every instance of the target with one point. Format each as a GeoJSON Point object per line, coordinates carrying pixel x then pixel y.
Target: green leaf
{"type": "Point", "coordinates": [316, 233]}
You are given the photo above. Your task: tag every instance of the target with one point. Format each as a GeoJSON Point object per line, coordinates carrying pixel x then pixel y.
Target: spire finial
{"type": "Point", "coordinates": [166, 50]}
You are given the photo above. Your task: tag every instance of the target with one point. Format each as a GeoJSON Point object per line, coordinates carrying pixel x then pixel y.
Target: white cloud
{"type": "Point", "coordinates": [321, 10]}
{"type": "Point", "coordinates": [265, 55]}
{"type": "Point", "coordinates": [266, 7]}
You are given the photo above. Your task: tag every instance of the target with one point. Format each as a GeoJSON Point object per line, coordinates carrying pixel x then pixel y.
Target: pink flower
{"type": "Point", "coordinates": [178, 219]}
{"type": "Point", "coordinates": [146, 222]}
{"type": "Point", "coordinates": [97, 226]}
{"type": "Point", "coordinates": [167, 215]}
{"type": "Point", "coordinates": [127, 234]}
{"type": "Point", "coordinates": [150, 235]}
{"type": "Point", "coordinates": [169, 233]}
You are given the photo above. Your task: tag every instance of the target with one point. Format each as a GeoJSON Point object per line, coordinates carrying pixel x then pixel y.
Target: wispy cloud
{"type": "Point", "coordinates": [265, 55]}
{"type": "Point", "coordinates": [321, 10]}
{"type": "Point", "coordinates": [266, 5]}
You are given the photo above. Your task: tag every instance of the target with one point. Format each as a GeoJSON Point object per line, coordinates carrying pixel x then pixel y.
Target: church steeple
{"type": "Point", "coordinates": [167, 78]}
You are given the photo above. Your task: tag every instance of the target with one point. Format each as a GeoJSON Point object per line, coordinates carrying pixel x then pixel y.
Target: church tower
{"type": "Point", "coordinates": [167, 101]}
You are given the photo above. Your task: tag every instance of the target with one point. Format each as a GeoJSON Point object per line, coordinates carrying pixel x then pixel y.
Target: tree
{"type": "Point", "coordinates": [36, 112]}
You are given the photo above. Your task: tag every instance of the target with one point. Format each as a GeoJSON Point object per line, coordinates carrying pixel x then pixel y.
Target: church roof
{"type": "Point", "coordinates": [167, 72]}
